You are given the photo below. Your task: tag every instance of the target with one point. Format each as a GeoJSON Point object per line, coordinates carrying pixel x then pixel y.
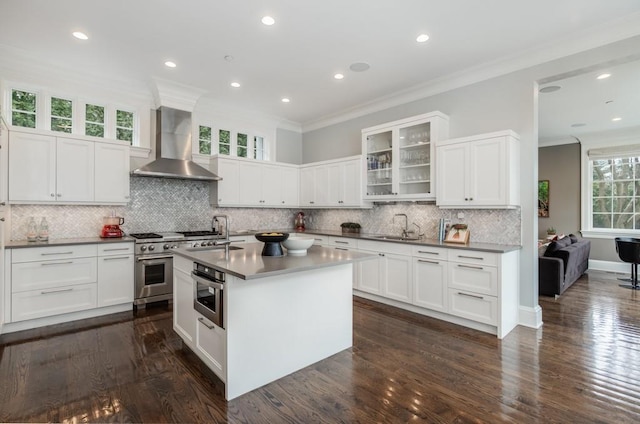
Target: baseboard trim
{"type": "Point", "coordinates": [610, 266]}
{"type": "Point", "coordinates": [530, 317]}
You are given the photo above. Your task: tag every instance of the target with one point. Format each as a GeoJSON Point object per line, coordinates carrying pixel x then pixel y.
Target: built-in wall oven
{"type": "Point", "coordinates": [208, 289]}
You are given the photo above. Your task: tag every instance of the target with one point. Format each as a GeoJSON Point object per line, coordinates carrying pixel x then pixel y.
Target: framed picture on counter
{"type": "Point", "coordinates": [458, 233]}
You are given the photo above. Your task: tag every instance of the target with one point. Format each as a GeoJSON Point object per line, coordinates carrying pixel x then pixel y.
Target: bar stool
{"type": "Point", "coordinates": [629, 251]}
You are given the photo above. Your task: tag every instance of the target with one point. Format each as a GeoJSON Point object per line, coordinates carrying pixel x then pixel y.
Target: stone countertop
{"type": "Point", "coordinates": [18, 244]}
{"type": "Point", "coordinates": [482, 247]}
{"type": "Point", "coordinates": [248, 263]}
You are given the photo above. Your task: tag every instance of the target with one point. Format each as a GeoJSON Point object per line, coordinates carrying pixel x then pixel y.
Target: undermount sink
{"type": "Point", "coordinates": [205, 248]}
{"type": "Point", "coordinates": [400, 238]}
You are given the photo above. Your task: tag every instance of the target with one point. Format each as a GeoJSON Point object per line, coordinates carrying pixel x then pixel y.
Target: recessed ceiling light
{"type": "Point", "coordinates": [359, 66]}
{"type": "Point", "coordinates": [422, 38]}
{"type": "Point", "coordinates": [616, 119]}
{"type": "Point", "coordinates": [170, 64]}
{"type": "Point", "coordinates": [268, 20]}
{"type": "Point", "coordinates": [235, 84]}
{"type": "Point", "coordinates": [550, 89]}
{"type": "Point", "coordinates": [579, 124]}
{"type": "Point", "coordinates": [338, 76]}
{"type": "Point", "coordinates": [285, 100]}
{"type": "Point", "coordinates": [603, 76]}
{"type": "Point", "coordinates": [80, 35]}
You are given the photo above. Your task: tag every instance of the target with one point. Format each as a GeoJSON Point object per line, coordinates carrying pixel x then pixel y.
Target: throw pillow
{"type": "Point", "coordinates": [557, 245]}
{"type": "Point", "coordinates": [573, 238]}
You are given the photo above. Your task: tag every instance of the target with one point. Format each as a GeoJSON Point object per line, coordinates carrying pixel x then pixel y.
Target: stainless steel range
{"type": "Point", "coordinates": [154, 261]}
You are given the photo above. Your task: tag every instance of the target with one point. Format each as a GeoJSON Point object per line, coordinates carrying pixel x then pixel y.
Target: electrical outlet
{"type": "Point", "coordinates": [460, 215]}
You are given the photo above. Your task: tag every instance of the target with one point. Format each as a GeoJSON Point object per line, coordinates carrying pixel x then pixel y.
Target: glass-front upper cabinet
{"type": "Point", "coordinates": [399, 157]}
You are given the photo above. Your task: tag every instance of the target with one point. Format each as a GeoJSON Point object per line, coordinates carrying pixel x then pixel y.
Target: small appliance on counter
{"type": "Point", "coordinates": [111, 227]}
{"type": "Point", "coordinates": [271, 242]}
{"type": "Point", "coordinates": [299, 222]}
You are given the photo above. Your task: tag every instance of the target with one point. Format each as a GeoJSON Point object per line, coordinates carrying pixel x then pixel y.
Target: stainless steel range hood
{"type": "Point", "coordinates": [173, 149]}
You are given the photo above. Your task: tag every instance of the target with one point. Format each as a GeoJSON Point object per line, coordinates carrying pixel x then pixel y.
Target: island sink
{"type": "Point", "coordinates": [399, 238]}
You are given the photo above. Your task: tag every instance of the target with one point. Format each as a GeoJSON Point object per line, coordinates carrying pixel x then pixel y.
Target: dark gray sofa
{"type": "Point", "coordinates": [563, 262]}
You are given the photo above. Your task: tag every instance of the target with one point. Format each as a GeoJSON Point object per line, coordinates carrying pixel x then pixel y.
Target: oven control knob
{"type": "Point", "coordinates": [175, 246]}
{"type": "Point", "coordinates": [196, 244]}
{"type": "Point", "coordinates": [209, 244]}
{"type": "Point", "coordinates": [143, 247]}
{"type": "Point", "coordinates": [165, 247]}
{"type": "Point", "coordinates": [151, 248]}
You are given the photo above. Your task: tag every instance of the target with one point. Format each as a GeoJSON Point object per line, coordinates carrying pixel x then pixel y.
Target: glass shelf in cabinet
{"type": "Point", "coordinates": [373, 152]}
{"type": "Point", "coordinates": [416, 145]}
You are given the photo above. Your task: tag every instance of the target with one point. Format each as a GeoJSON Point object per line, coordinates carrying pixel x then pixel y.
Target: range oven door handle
{"type": "Point", "coordinates": [206, 282]}
{"type": "Point", "coordinates": [153, 259]}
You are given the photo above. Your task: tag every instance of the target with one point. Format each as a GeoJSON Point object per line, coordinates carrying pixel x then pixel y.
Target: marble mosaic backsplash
{"type": "Point", "coordinates": [161, 205]}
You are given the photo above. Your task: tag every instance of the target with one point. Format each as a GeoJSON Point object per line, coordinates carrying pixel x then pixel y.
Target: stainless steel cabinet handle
{"type": "Point", "coordinates": [153, 258]}
{"type": "Point", "coordinates": [55, 291]}
{"type": "Point", "coordinates": [341, 242]}
{"type": "Point", "coordinates": [470, 295]}
{"type": "Point", "coordinates": [471, 257]}
{"type": "Point", "coordinates": [57, 253]}
{"type": "Point", "coordinates": [341, 248]}
{"type": "Point", "coordinates": [2, 219]}
{"type": "Point", "coordinates": [210, 327]}
{"type": "Point", "coordinates": [428, 253]}
{"type": "Point", "coordinates": [470, 267]}
{"type": "Point", "coordinates": [56, 263]}
{"type": "Point", "coordinates": [115, 258]}
{"type": "Point", "coordinates": [380, 254]}
{"type": "Point", "coordinates": [428, 262]}
{"type": "Point", "coordinates": [116, 250]}
{"type": "Point", "coordinates": [3, 203]}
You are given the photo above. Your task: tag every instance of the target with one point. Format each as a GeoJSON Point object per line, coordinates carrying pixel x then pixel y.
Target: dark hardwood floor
{"type": "Point", "coordinates": [582, 366]}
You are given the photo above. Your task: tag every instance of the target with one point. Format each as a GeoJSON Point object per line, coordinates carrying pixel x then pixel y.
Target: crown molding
{"type": "Point", "coordinates": [176, 95]}
{"type": "Point", "coordinates": [592, 38]}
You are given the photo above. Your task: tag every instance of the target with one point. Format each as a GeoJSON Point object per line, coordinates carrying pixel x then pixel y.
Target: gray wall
{"type": "Point", "coordinates": [561, 166]}
{"type": "Point", "coordinates": [506, 102]}
{"type": "Point", "coordinates": [288, 146]}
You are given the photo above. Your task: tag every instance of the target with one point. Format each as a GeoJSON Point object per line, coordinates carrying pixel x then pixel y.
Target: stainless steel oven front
{"type": "Point", "coordinates": [208, 290]}
{"type": "Point", "coordinates": [153, 278]}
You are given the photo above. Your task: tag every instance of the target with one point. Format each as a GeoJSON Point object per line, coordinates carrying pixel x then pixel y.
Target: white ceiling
{"type": "Point", "coordinates": [298, 56]}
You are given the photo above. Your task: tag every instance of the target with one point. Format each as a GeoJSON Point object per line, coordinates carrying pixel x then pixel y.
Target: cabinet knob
{"type": "Point", "coordinates": [470, 198]}
{"type": "Point", "coordinates": [219, 200]}
{"type": "Point", "coordinates": [283, 202]}
{"type": "Point", "coordinates": [466, 199]}
{"type": "Point", "coordinates": [1, 219]}
{"type": "Point", "coordinates": [59, 195]}
{"type": "Point", "coordinates": [53, 195]}
{"type": "Point", "coordinates": [3, 203]}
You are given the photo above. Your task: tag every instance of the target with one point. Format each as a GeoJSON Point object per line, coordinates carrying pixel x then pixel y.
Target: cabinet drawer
{"type": "Point", "coordinates": [475, 278]}
{"type": "Point", "coordinates": [385, 247]}
{"type": "Point", "coordinates": [428, 252]}
{"type": "Point", "coordinates": [343, 242]}
{"type": "Point", "coordinates": [319, 240]}
{"type": "Point", "coordinates": [473, 257]}
{"type": "Point", "coordinates": [44, 303]}
{"type": "Point", "coordinates": [31, 254]}
{"type": "Point", "coordinates": [211, 341]}
{"type": "Point", "coordinates": [28, 276]}
{"type": "Point", "coordinates": [480, 308]}
{"type": "Point", "coordinates": [111, 249]}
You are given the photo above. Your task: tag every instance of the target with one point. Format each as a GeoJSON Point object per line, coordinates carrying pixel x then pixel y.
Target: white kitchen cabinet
{"type": "Point", "coordinates": [184, 316]}
{"type": "Point", "coordinates": [335, 184]}
{"type": "Point", "coordinates": [32, 167]}
{"type": "Point", "coordinates": [248, 183]}
{"type": "Point", "coordinates": [112, 173]}
{"type": "Point", "coordinates": [75, 170]}
{"type": "Point", "coordinates": [393, 276]}
{"type": "Point", "coordinates": [479, 171]}
{"type": "Point", "coordinates": [55, 301]}
{"type": "Point", "coordinates": [211, 342]}
{"type": "Point", "coordinates": [4, 172]}
{"type": "Point", "coordinates": [115, 273]}
{"type": "Point", "coordinates": [430, 278]}
{"type": "Point", "coordinates": [399, 157]}
{"type": "Point", "coordinates": [314, 186]}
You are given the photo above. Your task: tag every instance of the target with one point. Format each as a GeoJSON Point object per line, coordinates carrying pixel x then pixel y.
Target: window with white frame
{"type": "Point", "coordinates": [258, 148]}
{"type": "Point", "coordinates": [61, 115]}
{"type": "Point", "coordinates": [614, 189]}
{"type": "Point", "coordinates": [94, 120]}
{"type": "Point", "coordinates": [124, 125]}
{"type": "Point", "coordinates": [23, 108]}
{"type": "Point", "coordinates": [242, 140]}
{"type": "Point", "coordinates": [204, 140]}
{"type": "Point", "coordinates": [224, 142]}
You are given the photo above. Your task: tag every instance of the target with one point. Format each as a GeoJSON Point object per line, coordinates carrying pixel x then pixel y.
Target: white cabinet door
{"type": "Point", "coordinates": [307, 186]}
{"type": "Point", "coordinates": [451, 175]}
{"type": "Point", "coordinates": [487, 172]}
{"type": "Point", "coordinates": [115, 280]}
{"type": "Point", "coordinates": [322, 185]}
{"type": "Point", "coordinates": [397, 281]}
{"type": "Point", "coordinates": [212, 343]}
{"type": "Point", "coordinates": [335, 189]}
{"type": "Point", "coordinates": [4, 171]}
{"type": "Point", "coordinates": [111, 173]}
{"type": "Point", "coordinates": [184, 316]}
{"type": "Point", "coordinates": [32, 167]}
{"type": "Point", "coordinates": [271, 185]}
{"type": "Point", "coordinates": [370, 275]}
{"type": "Point", "coordinates": [430, 284]}
{"type": "Point", "coordinates": [227, 191]}
{"type": "Point", "coordinates": [351, 183]}
{"type": "Point", "coordinates": [250, 183]}
{"type": "Point", "coordinates": [290, 186]}
{"type": "Point", "coordinates": [75, 170]}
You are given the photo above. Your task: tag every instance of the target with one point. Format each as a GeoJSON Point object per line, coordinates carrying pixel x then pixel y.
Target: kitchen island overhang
{"type": "Point", "coordinates": [280, 314]}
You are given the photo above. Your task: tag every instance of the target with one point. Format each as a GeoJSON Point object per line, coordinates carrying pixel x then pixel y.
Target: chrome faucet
{"type": "Point", "coordinates": [405, 231]}
{"type": "Point", "coordinates": [226, 242]}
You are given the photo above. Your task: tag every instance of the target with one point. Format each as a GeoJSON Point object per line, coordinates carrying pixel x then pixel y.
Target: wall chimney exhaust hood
{"type": "Point", "coordinates": [174, 103]}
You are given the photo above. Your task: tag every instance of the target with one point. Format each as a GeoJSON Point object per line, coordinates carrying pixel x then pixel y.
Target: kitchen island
{"type": "Point", "coordinates": [279, 314]}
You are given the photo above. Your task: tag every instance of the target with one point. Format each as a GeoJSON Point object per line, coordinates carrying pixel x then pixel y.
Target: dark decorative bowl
{"type": "Point", "coordinates": [272, 241]}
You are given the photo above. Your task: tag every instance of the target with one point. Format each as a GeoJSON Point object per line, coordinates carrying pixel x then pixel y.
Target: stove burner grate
{"type": "Point", "coordinates": [198, 233]}
{"type": "Point", "coordinates": [145, 235]}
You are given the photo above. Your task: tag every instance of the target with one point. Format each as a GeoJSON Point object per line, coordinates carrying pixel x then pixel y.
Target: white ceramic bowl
{"type": "Point", "coordinates": [297, 244]}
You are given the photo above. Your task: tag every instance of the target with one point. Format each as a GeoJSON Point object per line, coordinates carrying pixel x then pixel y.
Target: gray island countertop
{"type": "Point", "coordinates": [248, 263]}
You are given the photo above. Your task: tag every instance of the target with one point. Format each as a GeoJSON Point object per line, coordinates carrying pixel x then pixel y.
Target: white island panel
{"type": "Point", "coordinates": [280, 324]}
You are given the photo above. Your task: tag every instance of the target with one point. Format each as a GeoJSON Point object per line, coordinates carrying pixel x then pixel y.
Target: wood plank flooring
{"type": "Point", "coordinates": [582, 366]}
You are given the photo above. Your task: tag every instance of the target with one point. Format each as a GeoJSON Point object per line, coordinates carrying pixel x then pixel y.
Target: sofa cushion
{"type": "Point", "coordinates": [574, 238]}
{"type": "Point", "coordinates": [557, 245]}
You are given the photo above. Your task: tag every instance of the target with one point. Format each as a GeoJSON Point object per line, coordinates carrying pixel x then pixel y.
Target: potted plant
{"type": "Point", "coordinates": [350, 227]}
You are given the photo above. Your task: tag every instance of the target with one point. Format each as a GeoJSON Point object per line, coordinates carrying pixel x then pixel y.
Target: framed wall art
{"type": "Point", "coordinates": [543, 198]}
